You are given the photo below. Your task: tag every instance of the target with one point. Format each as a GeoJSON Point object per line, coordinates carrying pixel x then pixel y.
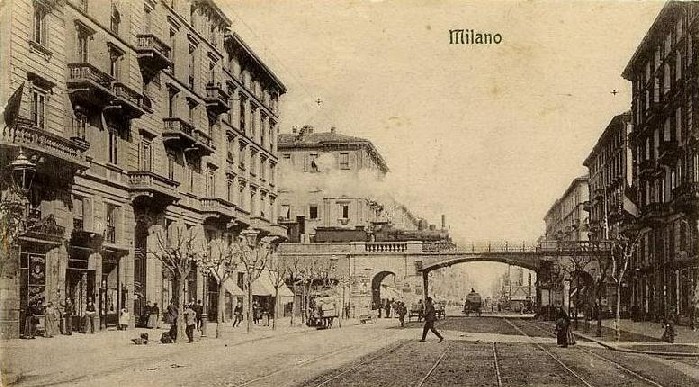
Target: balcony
{"type": "Point", "coordinates": [668, 152]}
{"type": "Point", "coordinates": [27, 135]}
{"type": "Point", "coordinates": [89, 86]}
{"type": "Point", "coordinates": [146, 184]}
{"type": "Point", "coordinates": [686, 196]}
{"type": "Point", "coordinates": [217, 208]}
{"type": "Point", "coordinates": [131, 101]}
{"type": "Point", "coordinates": [204, 142]}
{"type": "Point", "coordinates": [216, 99]}
{"type": "Point", "coordinates": [646, 167]}
{"type": "Point", "coordinates": [153, 54]}
{"type": "Point", "coordinates": [178, 132]}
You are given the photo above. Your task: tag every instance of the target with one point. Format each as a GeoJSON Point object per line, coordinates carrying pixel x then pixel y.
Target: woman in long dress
{"type": "Point", "coordinates": [154, 316]}
{"type": "Point", "coordinates": [50, 320]}
{"type": "Point", "coordinates": [562, 324]}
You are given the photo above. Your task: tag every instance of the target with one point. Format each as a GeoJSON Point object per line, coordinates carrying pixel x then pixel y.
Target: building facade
{"type": "Point", "coordinates": [665, 142]}
{"type": "Point", "coordinates": [566, 219]}
{"type": "Point", "coordinates": [332, 181]}
{"type": "Point", "coordinates": [142, 117]}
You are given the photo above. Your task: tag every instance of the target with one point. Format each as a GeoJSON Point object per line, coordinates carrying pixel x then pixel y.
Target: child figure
{"type": "Point", "coordinates": [123, 319]}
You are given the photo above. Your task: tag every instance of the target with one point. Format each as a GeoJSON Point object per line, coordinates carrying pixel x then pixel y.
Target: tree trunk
{"type": "Point", "coordinates": [220, 305]}
{"type": "Point", "coordinates": [617, 317]}
{"type": "Point", "coordinates": [599, 311]}
{"type": "Point", "coordinates": [293, 305]}
{"type": "Point", "coordinates": [248, 319]}
{"type": "Point", "coordinates": [180, 310]}
{"type": "Point", "coordinates": [276, 307]}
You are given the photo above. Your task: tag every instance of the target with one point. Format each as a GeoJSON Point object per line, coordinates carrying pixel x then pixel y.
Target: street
{"type": "Point", "coordinates": [478, 351]}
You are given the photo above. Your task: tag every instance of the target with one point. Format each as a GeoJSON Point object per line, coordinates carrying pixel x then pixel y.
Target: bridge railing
{"type": "Point", "coordinates": [557, 247]}
{"type": "Point", "coordinates": [386, 247]}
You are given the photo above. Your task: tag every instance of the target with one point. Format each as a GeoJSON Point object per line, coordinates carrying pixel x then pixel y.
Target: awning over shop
{"type": "Point", "coordinates": [232, 287]}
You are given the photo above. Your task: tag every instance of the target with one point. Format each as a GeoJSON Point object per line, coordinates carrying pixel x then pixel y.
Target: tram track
{"type": "Point", "coordinates": [496, 365]}
{"type": "Point", "coordinates": [434, 367]}
{"type": "Point", "coordinates": [597, 356]}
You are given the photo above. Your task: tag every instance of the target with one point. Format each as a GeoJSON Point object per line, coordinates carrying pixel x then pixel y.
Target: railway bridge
{"type": "Point", "coordinates": [361, 266]}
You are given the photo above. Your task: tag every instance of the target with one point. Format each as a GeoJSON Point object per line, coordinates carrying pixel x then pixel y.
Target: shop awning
{"type": "Point", "coordinates": [232, 287]}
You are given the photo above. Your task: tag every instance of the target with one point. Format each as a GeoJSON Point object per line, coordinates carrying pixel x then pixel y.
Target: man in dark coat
{"type": "Point", "coordinates": [562, 324]}
{"type": "Point", "coordinates": [430, 317]}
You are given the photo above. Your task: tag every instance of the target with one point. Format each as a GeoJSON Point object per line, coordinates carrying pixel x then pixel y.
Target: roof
{"type": "Point", "coordinates": [236, 41]}
{"type": "Point", "coordinates": [304, 139]}
{"type": "Point", "coordinates": [659, 24]}
{"type": "Point", "coordinates": [621, 119]}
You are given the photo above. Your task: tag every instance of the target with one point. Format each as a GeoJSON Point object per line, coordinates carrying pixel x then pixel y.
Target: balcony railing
{"type": "Point", "coordinates": [146, 183]}
{"type": "Point", "coordinates": [86, 72]}
{"type": "Point", "coordinates": [89, 86]}
{"type": "Point", "coordinates": [130, 100]}
{"type": "Point", "coordinates": [217, 207]}
{"type": "Point", "coordinates": [44, 229]}
{"type": "Point", "coordinates": [110, 233]}
{"type": "Point", "coordinates": [26, 134]}
{"type": "Point", "coordinates": [153, 54]}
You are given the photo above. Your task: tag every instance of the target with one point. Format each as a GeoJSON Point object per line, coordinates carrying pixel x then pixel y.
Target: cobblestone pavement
{"type": "Point", "coordinates": [479, 351]}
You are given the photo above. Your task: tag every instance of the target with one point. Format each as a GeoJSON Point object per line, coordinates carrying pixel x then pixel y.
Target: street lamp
{"type": "Point", "coordinates": [23, 172]}
{"type": "Point", "coordinates": [250, 237]}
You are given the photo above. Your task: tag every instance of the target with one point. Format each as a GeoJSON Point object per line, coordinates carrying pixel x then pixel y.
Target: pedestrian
{"type": "Point", "coordinates": [199, 308]}
{"type": "Point", "coordinates": [51, 320]}
{"type": "Point", "coordinates": [255, 312]}
{"type": "Point", "coordinates": [145, 316]}
{"type": "Point", "coordinates": [190, 318]}
{"type": "Point", "coordinates": [89, 318]}
{"type": "Point", "coordinates": [33, 312]}
{"type": "Point", "coordinates": [669, 327]}
{"type": "Point", "coordinates": [154, 318]}
{"type": "Point", "coordinates": [123, 319]}
{"type": "Point", "coordinates": [68, 311]}
{"type": "Point", "coordinates": [238, 314]}
{"type": "Point", "coordinates": [430, 315]}
{"type": "Point", "coordinates": [172, 314]}
{"type": "Point", "coordinates": [562, 324]}
{"type": "Point", "coordinates": [420, 310]}
{"type": "Point", "coordinates": [401, 311]}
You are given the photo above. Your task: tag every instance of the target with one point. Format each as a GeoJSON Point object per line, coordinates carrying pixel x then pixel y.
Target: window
{"type": "Point", "coordinates": [170, 166]}
{"type": "Point", "coordinates": [146, 154]}
{"type": "Point", "coordinates": [253, 162]}
{"type": "Point", "coordinates": [313, 212]}
{"type": "Point", "coordinates": [82, 46]}
{"type": "Point", "coordinates": [344, 210]}
{"type": "Point", "coordinates": [242, 114]}
{"type": "Point", "coordinates": [192, 64]}
{"type": "Point", "coordinates": [40, 33]}
{"type": "Point", "coordinates": [78, 214]}
{"type": "Point", "coordinates": [148, 19]}
{"type": "Point", "coordinates": [79, 125]}
{"type": "Point", "coordinates": [190, 171]}
{"type": "Point", "coordinates": [263, 130]}
{"type": "Point", "coordinates": [241, 156]}
{"type": "Point", "coordinates": [113, 145]}
{"type": "Point", "coordinates": [229, 190]}
{"type": "Point", "coordinates": [192, 112]}
{"type": "Point", "coordinates": [263, 200]}
{"type": "Point", "coordinates": [38, 107]}
{"type": "Point", "coordinates": [253, 122]}
{"type": "Point", "coordinates": [212, 73]}
{"type": "Point", "coordinates": [173, 42]}
{"type": "Point", "coordinates": [172, 102]}
{"type": "Point", "coordinates": [284, 211]}
{"type": "Point", "coordinates": [114, 20]}
{"type": "Point", "coordinates": [272, 168]}
{"type": "Point", "coordinates": [114, 58]}
{"type": "Point", "coordinates": [110, 232]}
{"type": "Point", "coordinates": [344, 161]}
{"type": "Point", "coordinates": [211, 183]}
{"type": "Point", "coordinates": [312, 166]}
{"type": "Point", "coordinates": [253, 202]}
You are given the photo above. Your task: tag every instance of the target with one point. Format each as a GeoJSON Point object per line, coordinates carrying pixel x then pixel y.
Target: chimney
{"type": "Point", "coordinates": [293, 129]}
{"type": "Point", "coordinates": [433, 227]}
{"type": "Point", "coordinates": [332, 129]}
{"type": "Point", "coordinates": [309, 129]}
{"type": "Point", "coordinates": [444, 222]}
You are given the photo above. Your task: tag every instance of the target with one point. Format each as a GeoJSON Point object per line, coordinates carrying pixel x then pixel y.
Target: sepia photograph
{"type": "Point", "coordinates": [312, 193]}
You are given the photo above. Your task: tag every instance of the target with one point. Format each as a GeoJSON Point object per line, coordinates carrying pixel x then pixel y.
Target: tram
{"type": "Point", "coordinates": [473, 304]}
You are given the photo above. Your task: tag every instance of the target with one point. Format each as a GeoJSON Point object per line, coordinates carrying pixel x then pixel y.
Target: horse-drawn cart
{"type": "Point", "coordinates": [473, 304]}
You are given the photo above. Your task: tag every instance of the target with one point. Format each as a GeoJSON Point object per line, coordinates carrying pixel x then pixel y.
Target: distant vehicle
{"type": "Point", "coordinates": [440, 309]}
{"type": "Point", "coordinates": [473, 304]}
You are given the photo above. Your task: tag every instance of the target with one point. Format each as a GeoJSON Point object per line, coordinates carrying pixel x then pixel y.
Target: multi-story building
{"type": "Point", "coordinates": [566, 219]}
{"type": "Point", "coordinates": [610, 179]}
{"type": "Point", "coordinates": [611, 206]}
{"type": "Point", "coordinates": [332, 182]}
{"type": "Point", "coordinates": [142, 116]}
{"type": "Point", "coordinates": [664, 141]}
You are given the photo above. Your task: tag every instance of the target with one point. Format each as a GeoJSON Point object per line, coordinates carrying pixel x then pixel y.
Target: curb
{"type": "Point", "coordinates": [619, 349]}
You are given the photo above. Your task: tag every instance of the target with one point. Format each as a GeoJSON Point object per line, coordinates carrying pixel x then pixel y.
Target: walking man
{"type": "Point", "coordinates": [430, 315]}
{"type": "Point", "coordinates": [200, 312]}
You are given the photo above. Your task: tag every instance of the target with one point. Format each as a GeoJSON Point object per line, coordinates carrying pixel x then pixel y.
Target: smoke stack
{"type": "Point", "coordinates": [433, 227]}
{"type": "Point", "coordinates": [444, 222]}
{"type": "Point", "coordinates": [332, 129]}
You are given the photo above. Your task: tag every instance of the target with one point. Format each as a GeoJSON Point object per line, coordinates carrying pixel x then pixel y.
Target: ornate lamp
{"type": "Point", "coordinates": [250, 237]}
{"type": "Point", "coordinates": [23, 172]}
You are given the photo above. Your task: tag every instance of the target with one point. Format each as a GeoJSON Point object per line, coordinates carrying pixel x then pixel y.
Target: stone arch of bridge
{"type": "Point", "coordinates": [376, 286]}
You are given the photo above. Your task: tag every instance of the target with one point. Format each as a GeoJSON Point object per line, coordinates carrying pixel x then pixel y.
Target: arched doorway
{"type": "Point", "coordinates": [376, 288]}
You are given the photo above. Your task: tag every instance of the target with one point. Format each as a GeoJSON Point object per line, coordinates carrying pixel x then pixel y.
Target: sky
{"type": "Point", "coordinates": [488, 135]}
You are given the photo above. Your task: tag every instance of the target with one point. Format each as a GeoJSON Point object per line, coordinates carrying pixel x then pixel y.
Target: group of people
{"type": "Point", "coordinates": [150, 316]}
{"type": "Point", "coordinates": [58, 318]}
{"type": "Point", "coordinates": [192, 318]}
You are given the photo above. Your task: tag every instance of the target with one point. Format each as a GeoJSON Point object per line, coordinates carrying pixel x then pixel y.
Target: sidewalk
{"type": "Point", "coordinates": [643, 337]}
{"type": "Point", "coordinates": [32, 361]}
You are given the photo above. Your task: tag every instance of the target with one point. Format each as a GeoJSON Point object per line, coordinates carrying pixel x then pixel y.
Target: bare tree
{"type": "Point", "coordinates": [605, 263]}
{"type": "Point", "coordinates": [293, 268]}
{"type": "Point", "coordinates": [219, 261]}
{"type": "Point", "coordinates": [253, 260]}
{"type": "Point", "coordinates": [278, 270]}
{"type": "Point", "coordinates": [578, 262]}
{"type": "Point", "coordinates": [623, 249]}
{"type": "Point", "coordinates": [177, 251]}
